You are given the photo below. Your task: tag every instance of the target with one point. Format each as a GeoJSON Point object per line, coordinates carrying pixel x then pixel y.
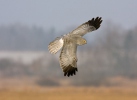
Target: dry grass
{"type": "Point", "coordinates": [70, 93]}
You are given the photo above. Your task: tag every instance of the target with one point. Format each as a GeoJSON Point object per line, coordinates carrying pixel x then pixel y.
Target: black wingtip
{"type": "Point", "coordinates": [96, 22]}
{"type": "Point", "coordinates": [70, 71]}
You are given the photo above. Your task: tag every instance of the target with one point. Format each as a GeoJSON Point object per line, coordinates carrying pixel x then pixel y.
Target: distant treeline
{"type": "Point", "coordinates": [20, 37]}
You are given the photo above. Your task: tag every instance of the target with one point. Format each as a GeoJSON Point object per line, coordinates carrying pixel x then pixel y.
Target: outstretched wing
{"type": "Point", "coordinates": [68, 58]}
{"type": "Point", "coordinates": [56, 45]}
{"type": "Point", "coordinates": [89, 26]}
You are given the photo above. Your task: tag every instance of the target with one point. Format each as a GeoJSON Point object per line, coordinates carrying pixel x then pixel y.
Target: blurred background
{"type": "Point", "coordinates": [106, 64]}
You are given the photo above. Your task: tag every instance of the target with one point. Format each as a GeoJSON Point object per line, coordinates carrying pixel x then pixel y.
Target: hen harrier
{"type": "Point", "coordinates": [69, 42]}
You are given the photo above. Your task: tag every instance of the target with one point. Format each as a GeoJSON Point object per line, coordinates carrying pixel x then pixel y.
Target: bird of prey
{"type": "Point", "coordinates": [69, 42]}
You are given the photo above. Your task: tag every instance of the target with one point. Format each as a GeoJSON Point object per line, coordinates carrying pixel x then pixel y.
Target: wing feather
{"type": "Point", "coordinates": [55, 45]}
{"type": "Point", "coordinates": [89, 26]}
{"type": "Point", "coordinates": [68, 59]}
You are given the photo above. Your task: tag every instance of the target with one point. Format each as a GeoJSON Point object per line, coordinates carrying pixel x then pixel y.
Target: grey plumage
{"type": "Point", "coordinates": [55, 45]}
{"type": "Point", "coordinates": [69, 42]}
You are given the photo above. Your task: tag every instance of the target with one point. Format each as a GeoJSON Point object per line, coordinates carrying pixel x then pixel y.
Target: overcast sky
{"type": "Point", "coordinates": [62, 14]}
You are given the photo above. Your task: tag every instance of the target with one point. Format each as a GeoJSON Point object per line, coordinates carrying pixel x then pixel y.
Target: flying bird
{"type": "Point", "coordinates": [69, 42]}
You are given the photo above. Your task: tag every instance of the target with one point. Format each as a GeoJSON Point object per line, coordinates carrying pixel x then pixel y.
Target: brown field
{"type": "Point", "coordinates": [69, 93]}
